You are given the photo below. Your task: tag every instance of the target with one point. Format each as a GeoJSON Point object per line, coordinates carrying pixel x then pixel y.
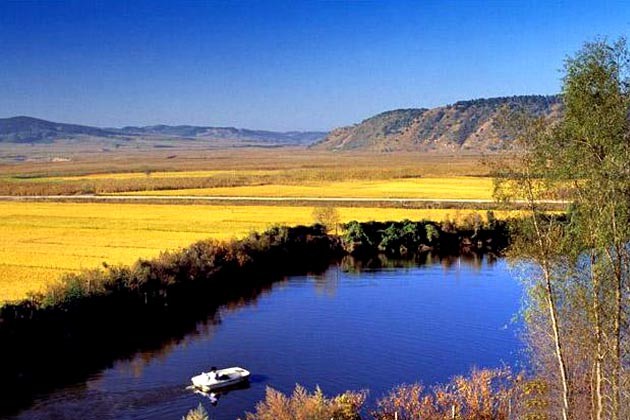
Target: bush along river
{"type": "Point", "coordinates": [123, 342]}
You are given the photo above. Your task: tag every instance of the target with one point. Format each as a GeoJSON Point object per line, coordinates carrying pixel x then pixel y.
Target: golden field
{"type": "Point", "coordinates": [444, 188]}
{"type": "Point", "coordinates": [107, 173]}
{"type": "Point", "coordinates": [42, 240]}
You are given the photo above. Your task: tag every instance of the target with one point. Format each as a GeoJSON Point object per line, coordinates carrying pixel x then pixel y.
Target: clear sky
{"type": "Point", "coordinates": [281, 65]}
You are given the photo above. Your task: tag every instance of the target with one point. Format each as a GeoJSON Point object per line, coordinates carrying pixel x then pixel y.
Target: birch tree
{"type": "Point", "coordinates": [585, 158]}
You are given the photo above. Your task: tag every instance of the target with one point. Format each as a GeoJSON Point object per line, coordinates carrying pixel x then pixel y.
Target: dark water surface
{"type": "Point", "coordinates": [346, 329]}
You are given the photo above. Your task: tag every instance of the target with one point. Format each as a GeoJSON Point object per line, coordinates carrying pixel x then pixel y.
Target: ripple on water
{"type": "Point", "coordinates": [339, 330]}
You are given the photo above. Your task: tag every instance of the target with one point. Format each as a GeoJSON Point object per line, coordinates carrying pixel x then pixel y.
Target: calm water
{"type": "Point", "coordinates": [341, 330]}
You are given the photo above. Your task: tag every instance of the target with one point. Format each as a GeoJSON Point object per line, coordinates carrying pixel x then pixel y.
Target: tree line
{"type": "Point", "coordinates": [579, 300]}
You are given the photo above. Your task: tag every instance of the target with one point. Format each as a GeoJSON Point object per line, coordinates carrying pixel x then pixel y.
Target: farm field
{"type": "Point", "coordinates": [40, 241]}
{"type": "Point", "coordinates": [96, 163]}
{"type": "Point", "coordinates": [444, 188]}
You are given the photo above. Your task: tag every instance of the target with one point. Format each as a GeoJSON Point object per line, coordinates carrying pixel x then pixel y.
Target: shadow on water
{"type": "Point", "coordinates": [40, 357]}
{"type": "Point", "coordinates": [258, 379]}
{"type": "Point", "coordinates": [54, 354]}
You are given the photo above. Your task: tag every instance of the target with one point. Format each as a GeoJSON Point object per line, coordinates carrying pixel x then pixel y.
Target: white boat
{"type": "Point", "coordinates": [223, 378]}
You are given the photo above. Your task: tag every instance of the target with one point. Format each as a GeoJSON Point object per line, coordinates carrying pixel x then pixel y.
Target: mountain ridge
{"type": "Point", "coordinates": [24, 129]}
{"type": "Point", "coordinates": [468, 125]}
{"type": "Point", "coordinates": [30, 130]}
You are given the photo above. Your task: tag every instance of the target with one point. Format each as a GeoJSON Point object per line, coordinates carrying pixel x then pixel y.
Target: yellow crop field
{"type": "Point", "coordinates": [39, 241]}
{"type": "Point", "coordinates": [445, 188]}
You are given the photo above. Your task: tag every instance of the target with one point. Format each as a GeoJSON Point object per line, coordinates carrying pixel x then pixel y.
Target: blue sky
{"type": "Point", "coordinates": [285, 65]}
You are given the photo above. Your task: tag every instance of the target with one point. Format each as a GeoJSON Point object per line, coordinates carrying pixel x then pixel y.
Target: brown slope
{"type": "Point", "coordinates": [462, 126]}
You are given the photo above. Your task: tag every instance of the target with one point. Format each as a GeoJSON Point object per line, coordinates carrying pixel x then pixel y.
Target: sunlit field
{"type": "Point", "coordinates": [432, 188]}
{"type": "Point", "coordinates": [119, 172]}
{"type": "Point", "coordinates": [39, 241]}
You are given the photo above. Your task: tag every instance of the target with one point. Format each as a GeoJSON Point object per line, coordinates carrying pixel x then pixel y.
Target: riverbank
{"type": "Point", "coordinates": [43, 240]}
{"type": "Point", "coordinates": [96, 316]}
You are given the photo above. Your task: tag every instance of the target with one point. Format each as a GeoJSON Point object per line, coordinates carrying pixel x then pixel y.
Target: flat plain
{"type": "Point", "coordinates": [443, 188]}
{"type": "Point", "coordinates": [42, 240]}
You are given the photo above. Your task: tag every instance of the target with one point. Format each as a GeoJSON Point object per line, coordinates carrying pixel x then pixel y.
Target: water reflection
{"type": "Point", "coordinates": [36, 363]}
{"type": "Point", "coordinates": [350, 264]}
{"type": "Point", "coordinates": [214, 396]}
{"type": "Point", "coordinates": [358, 324]}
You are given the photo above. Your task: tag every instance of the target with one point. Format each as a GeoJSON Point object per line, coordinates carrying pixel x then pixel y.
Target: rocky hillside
{"type": "Point", "coordinates": [462, 126]}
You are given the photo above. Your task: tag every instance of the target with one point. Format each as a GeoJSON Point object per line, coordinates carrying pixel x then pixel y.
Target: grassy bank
{"type": "Point", "coordinates": [91, 317]}
{"type": "Point", "coordinates": [41, 241]}
{"type": "Point", "coordinates": [96, 316]}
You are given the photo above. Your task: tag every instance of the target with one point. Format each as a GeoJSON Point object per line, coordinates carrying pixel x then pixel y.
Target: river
{"type": "Point", "coordinates": [350, 328]}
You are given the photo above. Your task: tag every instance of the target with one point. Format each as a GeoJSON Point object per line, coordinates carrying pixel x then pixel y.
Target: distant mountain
{"type": "Point", "coordinates": [226, 133]}
{"type": "Point", "coordinates": [462, 126]}
{"type": "Point", "coordinates": [33, 130]}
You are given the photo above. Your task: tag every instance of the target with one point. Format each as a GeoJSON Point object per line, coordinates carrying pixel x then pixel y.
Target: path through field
{"type": "Point", "coordinates": [270, 200]}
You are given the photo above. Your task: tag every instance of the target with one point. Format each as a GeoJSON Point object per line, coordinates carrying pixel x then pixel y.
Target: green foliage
{"type": "Point", "coordinates": [431, 232]}
{"type": "Point", "coordinates": [401, 237]}
{"type": "Point", "coordinates": [73, 287]}
{"type": "Point", "coordinates": [408, 238]}
{"type": "Point", "coordinates": [584, 257]}
{"type": "Point", "coordinates": [354, 232]}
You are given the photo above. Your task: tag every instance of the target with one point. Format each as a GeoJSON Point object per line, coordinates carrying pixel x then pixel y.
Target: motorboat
{"type": "Point", "coordinates": [221, 378]}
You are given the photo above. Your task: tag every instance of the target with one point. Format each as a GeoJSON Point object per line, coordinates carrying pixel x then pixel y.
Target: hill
{"type": "Point", "coordinates": [33, 130]}
{"type": "Point", "coordinates": [462, 126]}
{"type": "Point", "coordinates": [226, 133]}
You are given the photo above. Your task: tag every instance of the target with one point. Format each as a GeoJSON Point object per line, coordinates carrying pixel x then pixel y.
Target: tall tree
{"type": "Point", "coordinates": [538, 238]}
{"type": "Point", "coordinates": [591, 151]}
{"type": "Point", "coordinates": [586, 158]}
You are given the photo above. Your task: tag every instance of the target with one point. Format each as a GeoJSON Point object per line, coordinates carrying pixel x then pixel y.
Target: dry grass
{"type": "Point", "coordinates": [393, 176]}
{"type": "Point", "coordinates": [41, 240]}
{"type": "Point", "coordinates": [125, 161]}
{"type": "Point", "coordinates": [306, 405]}
{"type": "Point", "coordinates": [159, 174]}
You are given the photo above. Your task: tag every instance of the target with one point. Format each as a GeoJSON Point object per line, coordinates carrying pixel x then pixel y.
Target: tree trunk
{"type": "Point", "coordinates": [558, 345]}
{"type": "Point", "coordinates": [551, 302]}
{"type": "Point", "coordinates": [599, 357]}
{"type": "Point", "coordinates": [617, 363]}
